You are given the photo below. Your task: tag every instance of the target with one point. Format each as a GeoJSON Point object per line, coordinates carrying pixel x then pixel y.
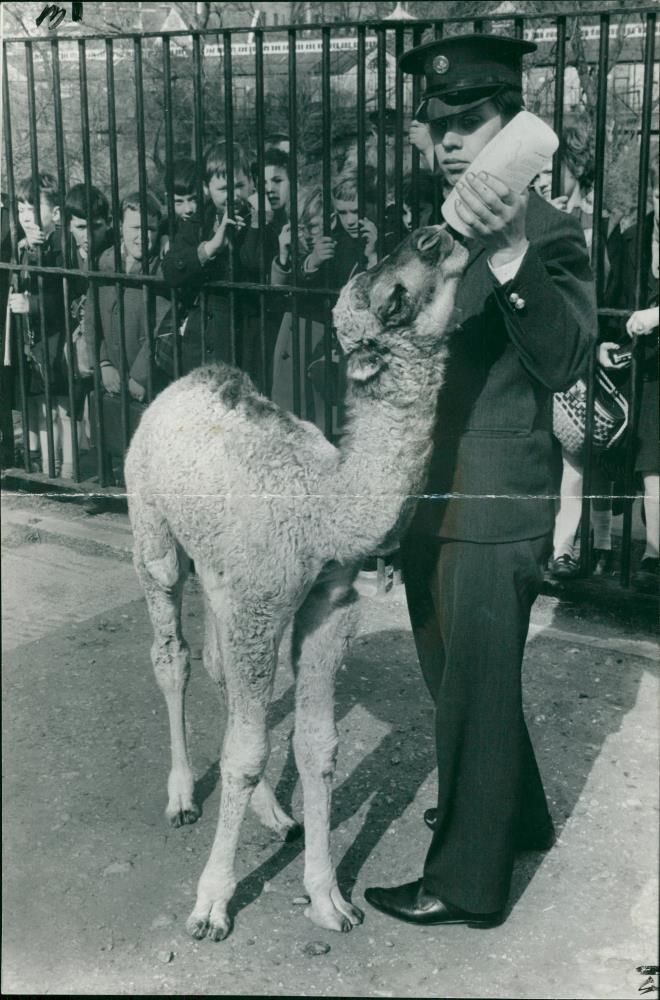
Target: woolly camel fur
{"type": "Point", "coordinates": [277, 521]}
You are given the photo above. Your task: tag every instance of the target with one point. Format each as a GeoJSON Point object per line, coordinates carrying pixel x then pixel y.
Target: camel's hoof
{"type": "Point", "coordinates": [215, 927]}
{"type": "Point", "coordinates": [196, 926]}
{"type": "Point", "coordinates": [294, 832]}
{"type": "Point", "coordinates": [333, 919]}
{"type": "Point", "coordinates": [183, 817]}
{"type": "Point", "coordinates": [218, 931]}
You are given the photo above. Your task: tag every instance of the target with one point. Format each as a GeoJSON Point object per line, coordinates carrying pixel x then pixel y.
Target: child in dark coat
{"type": "Point", "coordinates": [43, 335]}
{"type": "Point", "coordinates": [83, 256]}
{"type": "Point", "coordinates": [200, 255]}
{"type": "Point", "coordinates": [134, 322]}
{"type": "Point", "coordinates": [262, 242]}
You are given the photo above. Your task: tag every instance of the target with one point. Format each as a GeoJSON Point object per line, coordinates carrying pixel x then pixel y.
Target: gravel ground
{"type": "Point", "coordinates": [97, 887]}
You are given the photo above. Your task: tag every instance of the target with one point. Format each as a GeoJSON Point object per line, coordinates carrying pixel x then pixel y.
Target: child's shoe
{"type": "Point", "coordinates": [602, 562]}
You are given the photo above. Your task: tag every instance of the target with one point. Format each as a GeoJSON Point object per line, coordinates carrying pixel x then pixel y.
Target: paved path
{"type": "Point", "coordinates": [97, 888]}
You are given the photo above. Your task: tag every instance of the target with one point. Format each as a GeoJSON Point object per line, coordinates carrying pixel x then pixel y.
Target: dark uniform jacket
{"type": "Point", "coordinates": [494, 449]}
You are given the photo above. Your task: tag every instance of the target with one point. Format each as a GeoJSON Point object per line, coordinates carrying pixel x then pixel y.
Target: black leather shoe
{"type": "Point", "coordinates": [412, 903]}
{"type": "Point", "coordinates": [541, 840]}
{"type": "Point", "coordinates": [431, 818]}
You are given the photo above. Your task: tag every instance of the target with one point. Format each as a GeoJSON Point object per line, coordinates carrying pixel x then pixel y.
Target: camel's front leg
{"type": "Point", "coordinates": [323, 627]}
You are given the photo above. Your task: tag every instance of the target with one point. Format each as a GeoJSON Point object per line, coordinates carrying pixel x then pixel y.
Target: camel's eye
{"type": "Point", "coordinates": [397, 307]}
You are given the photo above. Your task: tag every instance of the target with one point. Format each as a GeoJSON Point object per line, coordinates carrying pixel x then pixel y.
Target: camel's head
{"type": "Point", "coordinates": [404, 304]}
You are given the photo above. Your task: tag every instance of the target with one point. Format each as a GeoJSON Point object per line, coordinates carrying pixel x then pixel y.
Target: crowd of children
{"type": "Point", "coordinates": [204, 308]}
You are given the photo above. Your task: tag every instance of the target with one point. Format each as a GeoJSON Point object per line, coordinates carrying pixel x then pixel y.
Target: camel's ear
{"type": "Point", "coordinates": [397, 309]}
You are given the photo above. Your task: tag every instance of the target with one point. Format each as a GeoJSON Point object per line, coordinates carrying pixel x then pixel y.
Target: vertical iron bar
{"type": "Point", "coordinates": [518, 27]}
{"type": "Point", "coordinates": [261, 191]}
{"type": "Point", "coordinates": [639, 347]}
{"type": "Point", "coordinates": [93, 289]}
{"type": "Point", "coordinates": [36, 199]}
{"type": "Point", "coordinates": [327, 184]}
{"type": "Point", "coordinates": [168, 111]}
{"type": "Point", "coordinates": [198, 134]}
{"type": "Point", "coordinates": [66, 256]}
{"type": "Point", "coordinates": [229, 140]}
{"type": "Point", "coordinates": [381, 175]}
{"type": "Point", "coordinates": [437, 186]}
{"type": "Point", "coordinates": [398, 137]}
{"type": "Point", "coordinates": [147, 301]}
{"type": "Point", "coordinates": [415, 168]}
{"type": "Point", "coordinates": [198, 118]}
{"type": "Point", "coordinates": [597, 256]}
{"type": "Point", "coordinates": [295, 262]}
{"type": "Point", "coordinates": [17, 323]}
{"type": "Point", "coordinates": [116, 232]}
{"type": "Point", "coordinates": [558, 118]}
{"type": "Point", "coordinates": [361, 117]}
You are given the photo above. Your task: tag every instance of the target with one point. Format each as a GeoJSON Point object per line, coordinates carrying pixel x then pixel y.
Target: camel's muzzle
{"type": "Point", "coordinates": [434, 241]}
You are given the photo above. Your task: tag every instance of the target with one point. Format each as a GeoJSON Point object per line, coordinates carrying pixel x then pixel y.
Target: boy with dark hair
{"type": "Point", "coordinates": [423, 193]}
{"type": "Point", "coordinates": [75, 221]}
{"type": "Point", "coordinates": [277, 186]}
{"type": "Point", "coordinates": [45, 356]}
{"type": "Point", "coordinates": [184, 183]}
{"type": "Point", "coordinates": [262, 242]}
{"type": "Point", "coordinates": [199, 255]}
{"type": "Point", "coordinates": [83, 258]}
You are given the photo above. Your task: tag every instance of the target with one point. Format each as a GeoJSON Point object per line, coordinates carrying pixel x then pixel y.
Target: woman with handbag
{"type": "Point", "coordinates": [577, 178]}
{"type": "Point", "coordinates": [643, 322]}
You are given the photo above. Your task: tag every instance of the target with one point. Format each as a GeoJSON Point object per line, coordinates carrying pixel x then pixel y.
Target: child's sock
{"type": "Point", "coordinates": [601, 521]}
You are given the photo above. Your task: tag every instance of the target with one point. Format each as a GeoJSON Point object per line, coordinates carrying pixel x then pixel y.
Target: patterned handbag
{"type": "Point", "coordinates": [569, 415]}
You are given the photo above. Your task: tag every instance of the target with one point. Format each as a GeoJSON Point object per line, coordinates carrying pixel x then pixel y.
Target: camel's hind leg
{"type": "Point", "coordinates": [323, 627]}
{"type": "Point", "coordinates": [162, 568]}
{"type": "Point", "coordinates": [262, 801]}
{"type": "Point", "coordinates": [249, 635]}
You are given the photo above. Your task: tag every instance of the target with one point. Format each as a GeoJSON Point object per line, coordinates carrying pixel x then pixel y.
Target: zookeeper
{"type": "Point", "coordinates": [473, 558]}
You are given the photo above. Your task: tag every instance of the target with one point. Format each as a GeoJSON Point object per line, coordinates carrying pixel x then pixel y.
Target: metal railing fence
{"type": "Point", "coordinates": [97, 105]}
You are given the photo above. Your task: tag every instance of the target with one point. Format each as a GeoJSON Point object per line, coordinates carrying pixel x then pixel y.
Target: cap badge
{"type": "Point", "coordinates": [440, 64]}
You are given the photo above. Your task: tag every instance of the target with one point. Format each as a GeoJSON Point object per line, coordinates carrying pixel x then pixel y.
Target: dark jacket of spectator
{"type": "Point", "coordinates": [136, 323]}
{"type": "Point", "coordinates": [47, 364]}
{"type": "Point", "coordinates": [211, 312]}
{"type": "Point", "coordinates": [620, 294]}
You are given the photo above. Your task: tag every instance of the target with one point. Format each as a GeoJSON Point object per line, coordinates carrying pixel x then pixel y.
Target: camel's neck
{"type": "Point", "coordinates": [384, 454]}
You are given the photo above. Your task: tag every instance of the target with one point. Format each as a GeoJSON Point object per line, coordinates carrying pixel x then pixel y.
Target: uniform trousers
{"type": "Point", "coordinates": [469, 607]}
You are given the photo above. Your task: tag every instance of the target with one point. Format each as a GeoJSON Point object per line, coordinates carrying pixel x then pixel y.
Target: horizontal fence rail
{"type": "Point", "coordinates": [121, 112]}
